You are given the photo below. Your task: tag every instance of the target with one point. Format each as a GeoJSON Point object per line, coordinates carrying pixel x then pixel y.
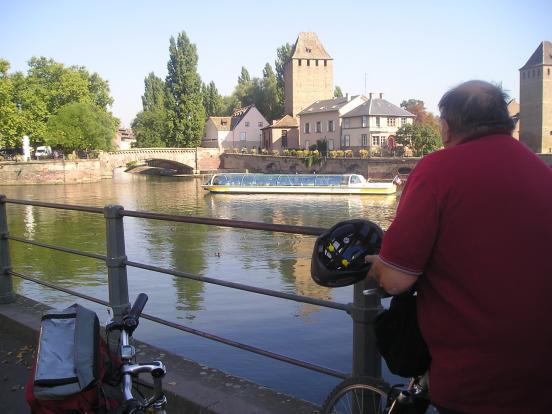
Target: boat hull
{"type": "Point", "coordinates": [377, 188]}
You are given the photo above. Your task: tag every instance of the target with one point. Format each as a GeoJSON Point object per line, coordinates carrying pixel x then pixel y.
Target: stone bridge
{"type": "Point", "coordinates": [183, 160]}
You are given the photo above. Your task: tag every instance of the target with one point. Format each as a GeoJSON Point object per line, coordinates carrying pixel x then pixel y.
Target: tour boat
{"type": "Point", "coordinates": [253, 183]}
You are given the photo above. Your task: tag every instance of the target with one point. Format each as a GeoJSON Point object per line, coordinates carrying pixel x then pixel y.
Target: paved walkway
{"type": "Point", "coordinates": [16, 358]}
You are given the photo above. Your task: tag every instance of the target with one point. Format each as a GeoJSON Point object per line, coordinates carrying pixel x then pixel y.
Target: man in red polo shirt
{"type": "Point", "coordinates": [474, 230]}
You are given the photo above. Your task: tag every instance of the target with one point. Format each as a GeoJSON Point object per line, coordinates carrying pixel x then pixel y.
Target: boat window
{"type": "Point", "coordinates": [307, 180]}
{"type": "Point", "coordinates": [355, 179]}
{"type": "Point", "coordinates": [345, 179]}
{"type": "Point", "coordinates": [235, 179]}
{"type": "Point", "coordinates": [271, 180]}
{"type": "Point", "coordinates": [220, 180]}
{"type": "Point", "coordinates": [209, 178]}
{"type": "Point", "coordinates": [295, 180]}
{"type": "Point", "coordinates": [249, 179]}
{"type": "Point", "coordinates": [334, 180]}
{"type": "Point", "coordinates": [284, 180]}
{"type": "Point", "coordinates": [321, 180]}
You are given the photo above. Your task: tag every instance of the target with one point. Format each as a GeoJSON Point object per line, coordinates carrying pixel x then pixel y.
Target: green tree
{"type": "Point", "coordinates": [27, 102]}
{"type": "Point", "coordinates": [337, 92]}
{"type": "Point", "coordinates": [81, 126]}
{"type": "Point", "coordinates": [149, 128]}
{"type": "Point", "coordinates": [417, 107]}
{"type": "Point", "coordinates": [154, 93]}
{"type": "Point", "coordinates": [283, 55]}
{"type": "Point", "coordinates": [212, 101]}
{"type": "Point", "coordinates": [185, 111]}
{"type": "Point", "coordinates": [421, 138]}
{"type": "Point", "coordinates": [230, 104]}
{"type": "Point", "coordinates": [269, 104]}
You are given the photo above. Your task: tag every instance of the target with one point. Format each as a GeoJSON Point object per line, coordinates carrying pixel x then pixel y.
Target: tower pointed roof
{"type": "Point", "coordinates": [541, 56]}
{"type": "Point", "coordinates": [307, 46]}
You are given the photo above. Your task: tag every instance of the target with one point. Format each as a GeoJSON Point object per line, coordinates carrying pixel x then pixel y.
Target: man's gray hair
{"type": "Point", "coordinates": [476, 108]}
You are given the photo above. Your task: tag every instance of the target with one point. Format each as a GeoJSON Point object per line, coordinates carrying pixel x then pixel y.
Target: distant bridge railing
{"type": "Point", "coordinates": [366, 360]}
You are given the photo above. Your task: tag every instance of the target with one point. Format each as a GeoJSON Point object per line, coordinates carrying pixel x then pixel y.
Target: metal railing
{"type": "Point", "coordinates": [365, 359]}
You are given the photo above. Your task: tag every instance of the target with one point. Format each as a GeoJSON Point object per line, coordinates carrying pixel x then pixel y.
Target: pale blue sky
{"type": "Point", "coordinates": [407, 49]}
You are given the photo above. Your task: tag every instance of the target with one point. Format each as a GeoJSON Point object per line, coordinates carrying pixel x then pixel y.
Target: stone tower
{"type": "Point", "coordinates": [308, 75]}
{"type": "Point", "coordinates": [535, 99]}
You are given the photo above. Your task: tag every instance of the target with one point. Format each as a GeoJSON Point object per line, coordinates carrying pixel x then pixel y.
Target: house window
{"type": "Point", "coordinates": [330, 144]}
{"type": "Point", "coordinates": [246, 124]}
{"type": "Point", "coordinates": [378, 121]}
{"type": "Point", "coordinates": [391, 121]}
{"type": "Point", "coordinates": [318, 126]}
{"type": "Point", "coordinates": [243, 136]}
{"type": "Point", "coordinates": [403, 120]}
{"type": "Point", "coordinates": [346, 123]}
{"type": "Point", "coordinates": [284, 139]}
{"type": "Point", "coordinates": [307, 128]}
{"type": "Point", "coordinates": [364, 121]}
{"type": "Point", "coordinates": [260, 124]}
{"type": "Point", "coordinates": [346, 141]}
{"type": "Point", "coordinates": [364, 140]}
{"type": "Point", "coordinates": [307, 143]}
{"type": "Point", "coordinates": [331, 127]}
{"type": "Point", "coordinates": [375, 140]}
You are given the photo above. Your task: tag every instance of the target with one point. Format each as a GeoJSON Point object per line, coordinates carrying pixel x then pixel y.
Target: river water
{"type": "Point", "coordinates": [269, 260]}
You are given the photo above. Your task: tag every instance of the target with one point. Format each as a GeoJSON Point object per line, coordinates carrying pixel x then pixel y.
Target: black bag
{"type": "Point", "coordinates": [398, 337]}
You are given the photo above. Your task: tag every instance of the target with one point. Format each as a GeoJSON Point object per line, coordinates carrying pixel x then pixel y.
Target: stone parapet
{"type": "Point", "coordinates": [49, 172]}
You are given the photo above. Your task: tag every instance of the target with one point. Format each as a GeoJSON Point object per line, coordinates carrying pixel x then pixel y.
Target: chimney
{"type": "Point", "coordinates": [381, 95]}
{"type": "Point", "coordinates": [370, 95]}
{"type": "Point", "coordinates": [347, 97]}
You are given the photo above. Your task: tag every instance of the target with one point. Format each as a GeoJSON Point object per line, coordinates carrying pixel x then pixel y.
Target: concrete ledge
{"type": "Point", "coordinates": [190, 387]}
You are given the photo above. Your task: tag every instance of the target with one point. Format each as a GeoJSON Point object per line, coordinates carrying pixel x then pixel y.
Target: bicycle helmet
{"type": "Point", "coordinates": [338, 254]}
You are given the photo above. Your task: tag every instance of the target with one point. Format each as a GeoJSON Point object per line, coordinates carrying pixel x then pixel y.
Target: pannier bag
{"type": "Point", "coordinates": [71, 365]}
{"type": "Point", "coordinates": [398, 337]}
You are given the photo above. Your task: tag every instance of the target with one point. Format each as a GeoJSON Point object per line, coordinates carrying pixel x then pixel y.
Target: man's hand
{"type": "Point", "coordinates": [391, 279]}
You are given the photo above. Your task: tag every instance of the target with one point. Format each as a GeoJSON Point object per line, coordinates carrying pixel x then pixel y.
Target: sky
{"type": "Point", "coordinates": [405, 49]}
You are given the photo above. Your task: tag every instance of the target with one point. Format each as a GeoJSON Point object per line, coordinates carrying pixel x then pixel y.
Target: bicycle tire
{"type": "Point", "coordinates": [357, 395]}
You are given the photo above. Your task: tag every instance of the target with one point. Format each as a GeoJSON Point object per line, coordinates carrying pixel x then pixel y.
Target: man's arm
{"type": "Point", "coordinates": [391, 279]}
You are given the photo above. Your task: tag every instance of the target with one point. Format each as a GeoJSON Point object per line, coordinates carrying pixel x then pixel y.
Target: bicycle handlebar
{"type": "Point", "coordinates": [132, 319]}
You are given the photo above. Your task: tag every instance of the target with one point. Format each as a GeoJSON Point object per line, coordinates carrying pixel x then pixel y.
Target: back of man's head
{"type": "Point", "coordinates": [476, 108]}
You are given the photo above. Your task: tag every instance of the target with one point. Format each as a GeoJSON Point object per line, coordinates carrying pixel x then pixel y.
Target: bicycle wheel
{"type": "Point", "coordinates": [357, 395]}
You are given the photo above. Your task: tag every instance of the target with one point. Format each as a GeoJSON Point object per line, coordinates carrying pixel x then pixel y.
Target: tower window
{"type": "Point", "coordinates": [316, 62]}
{"type": "Point", "coordinates": [325, 62]}
{"type": "Point", "coordinates": [548, 71]}
{"type": "Point", "coordinates": [299, 62]}
{"type": "Point", "coordinates": [308, 62]}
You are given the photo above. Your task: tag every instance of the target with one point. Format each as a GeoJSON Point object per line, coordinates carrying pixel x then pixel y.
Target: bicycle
{"type": "Point", "coordinates": [157, 402]}
{"type": "Point", "coordinates": [368, 395]}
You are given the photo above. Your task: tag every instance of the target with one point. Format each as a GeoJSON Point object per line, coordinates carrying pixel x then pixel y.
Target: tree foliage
{"type": "Point", "coordinates": [154, 93]}
{"type": "Point", "coordinates": [185, 111]}
{"type": "Point", "coordinates": [283, 55]}
{"type": "Point", "coordinates": [212, 101]}
{"type": "Point", "coordinates": [417, 107]}
{"type": "Point", "coordinates": [81, 126]}
{"type": "Point", "coordinates": [421, 138]}
{"type": "Point", "coordinates": [337, 92]}
{"type": "Point", "coordinates": [28, 101]}
{"type": "Point", "coordinates": [149, 128]}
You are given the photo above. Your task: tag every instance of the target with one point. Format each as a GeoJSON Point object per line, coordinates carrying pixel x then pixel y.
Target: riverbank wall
{"type": "Point", "coordinates": [370, 167]}
{"type": "Point", "coordinates": [50, 172]}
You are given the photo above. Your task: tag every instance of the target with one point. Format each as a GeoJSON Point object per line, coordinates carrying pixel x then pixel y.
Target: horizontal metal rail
{"type": "Point", "coordinates": [206, 279]}
{"type": "Point", "coordinates": [75, 207]}
{"type": "Point", "coordinates": [234, 285]}
{"type": "Point", "coordinates": [235, 344]}
{"type": "Point", "coordinates": [60, 249]}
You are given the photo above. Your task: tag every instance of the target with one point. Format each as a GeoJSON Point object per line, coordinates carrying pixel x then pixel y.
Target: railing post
{"type": "Point", "coordinates": [6, 287]}
{"type": "Point", "coordinates": [366, 358]}
{"type": "Point", "coordinates": [116, 261]}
